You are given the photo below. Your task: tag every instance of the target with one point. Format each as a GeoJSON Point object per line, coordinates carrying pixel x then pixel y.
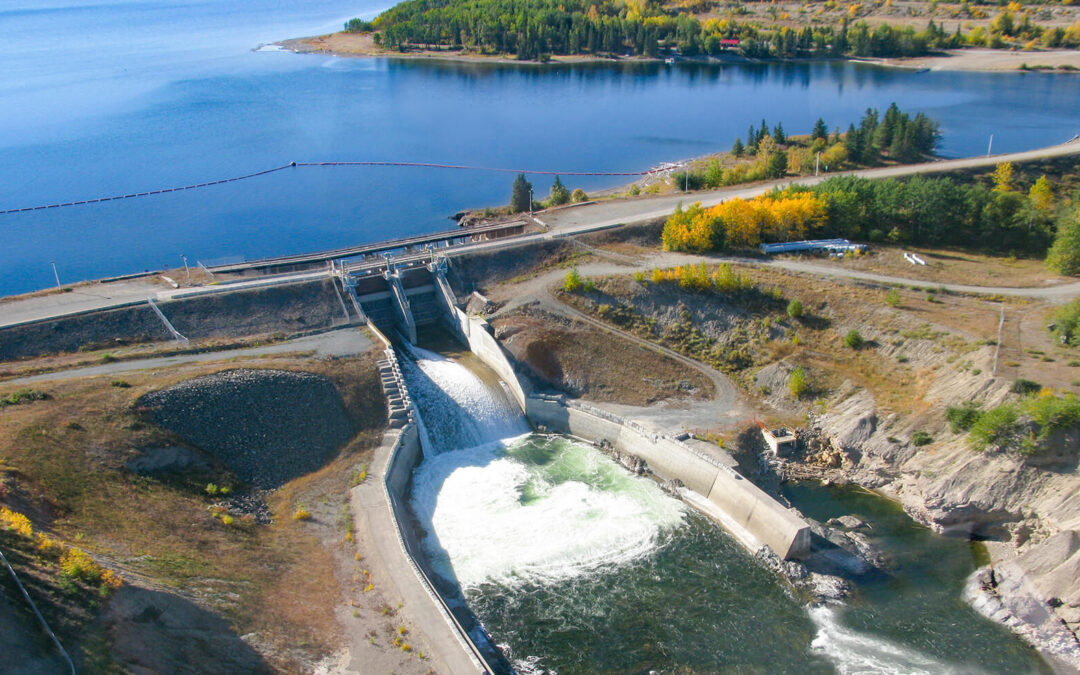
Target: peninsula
{"type": "Point", "coordinates": [913, 34]}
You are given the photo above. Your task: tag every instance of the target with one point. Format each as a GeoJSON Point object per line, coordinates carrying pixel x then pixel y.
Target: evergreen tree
{"type": "Point", "coordinates": [738, 148]}
{"type": "Point", "coordinates": [559, 194]}
{"type": "Point", "coordinates": [777, 166]}
{"type": "Point", "coordinates": [520, 199]}
{"type": "Point", "coordinates": [778, 133]}
{"type": "Point", "coordinates": [820, 131]}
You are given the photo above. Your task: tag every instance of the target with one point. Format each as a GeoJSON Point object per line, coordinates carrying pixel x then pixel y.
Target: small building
{"type": "Point", "coordinates": [780, 440]}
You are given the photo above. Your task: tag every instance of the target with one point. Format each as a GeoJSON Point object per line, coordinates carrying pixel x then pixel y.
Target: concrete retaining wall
{"type": "Point", "coordinates": [749, 510]}
{"type": "Point", "coordinates": [753, 516]}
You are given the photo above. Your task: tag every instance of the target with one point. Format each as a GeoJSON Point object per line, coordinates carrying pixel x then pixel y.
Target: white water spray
{"type": "Point", "coordinates": [503, 507]}
{"type": "Point", "coordinates": [855, 653]}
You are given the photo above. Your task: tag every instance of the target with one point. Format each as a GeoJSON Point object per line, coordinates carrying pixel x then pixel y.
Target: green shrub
{"type": "Point", "coordinates": [854, 339]}
{"type": "Point", "coordinates": [1022, 386]}
{"type": "Point", "coordinates": [892, 298]}
{"type": "Point", "coordinates": [573, 282]}
{"type": "Point", "coordinates": [23, 396]}
{"type": "Point", "coordinates": [995, 427]}
{"type": "Point", "coordinates": [1052, 412]}
{"type": "Point", "coordinates": [962, 418]}
{"type": "Point", "coordinates": [1065, 324]}
{"type": "Point", "coordinates": [795, 309]}
{"type": "Point", "coordinates": [921, 438]}
{"type": "Point", "coordinates": [120, 384]}
{"type": "Point", "coordinates": [797, 384]}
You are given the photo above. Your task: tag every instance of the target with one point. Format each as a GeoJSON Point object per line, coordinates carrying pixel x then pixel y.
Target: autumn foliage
{"type": "Point", "coordinates": [744, 223]}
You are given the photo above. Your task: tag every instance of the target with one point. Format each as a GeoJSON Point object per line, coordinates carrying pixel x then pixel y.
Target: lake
{"type": "Point", "coordinates": [103, 99]}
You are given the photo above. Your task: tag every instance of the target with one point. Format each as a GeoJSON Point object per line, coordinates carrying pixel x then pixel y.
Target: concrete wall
{"type": "Point", "coordinates": [746, 508]}
{"type": "Point", "coordinates": [745, 505]}
{"type": "Point", "coordinates": [477, 334]}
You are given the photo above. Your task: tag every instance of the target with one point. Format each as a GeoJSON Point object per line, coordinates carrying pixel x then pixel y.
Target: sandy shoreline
{"type": "Point", "coordinates": [972, 60]}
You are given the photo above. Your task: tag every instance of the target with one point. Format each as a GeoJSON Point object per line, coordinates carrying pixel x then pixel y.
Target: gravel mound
{"type": "Point", "coordinates": [267, 426]}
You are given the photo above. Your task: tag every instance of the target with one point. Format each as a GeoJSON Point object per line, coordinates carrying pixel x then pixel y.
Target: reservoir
{"type": "Point", "coordinates": [136, 95]}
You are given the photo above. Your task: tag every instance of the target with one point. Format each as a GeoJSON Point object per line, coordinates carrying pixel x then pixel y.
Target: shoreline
{"type": "Point", "coordinates": [361, 45]}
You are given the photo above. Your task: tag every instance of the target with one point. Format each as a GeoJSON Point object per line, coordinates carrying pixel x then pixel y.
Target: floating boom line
{"type": "Point", "coordinates": [291, 165]}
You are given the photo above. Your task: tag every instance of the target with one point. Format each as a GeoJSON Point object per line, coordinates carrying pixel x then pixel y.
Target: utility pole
{"type": "Point", "coordinates": [530, 201]}
{"type": "Point", "coordinates": [59, 288]}
{"type": "Point", "coordinates": [187, 270]}
{"type": "Point", "coordinates": [990, 146]}
{"type": "Point", "coordinates": [817, 163]}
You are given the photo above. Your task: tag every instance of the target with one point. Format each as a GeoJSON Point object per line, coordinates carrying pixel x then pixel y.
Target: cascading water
{"type": "Point", "coordinates": [575, 565]}
{"type": "Point", "coordinates": [457, 410]}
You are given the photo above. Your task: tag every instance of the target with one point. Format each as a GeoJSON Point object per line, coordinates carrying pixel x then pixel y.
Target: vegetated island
{"type": "Point", "coordinates": [915, 34]}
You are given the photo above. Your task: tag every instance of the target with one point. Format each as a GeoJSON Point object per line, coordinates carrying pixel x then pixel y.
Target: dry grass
{"type": "Point", "coordinates": [68, 455]}
{"type": "Point", "coordinates": [597, 365]}
{"type": "Point", "coordinates": [948, 267]}
{"type": "Point", "coordinates": [126, 352]}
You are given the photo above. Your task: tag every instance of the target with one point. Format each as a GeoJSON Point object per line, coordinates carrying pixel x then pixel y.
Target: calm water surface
{"type": "Point", "coordinates": [99, 99]}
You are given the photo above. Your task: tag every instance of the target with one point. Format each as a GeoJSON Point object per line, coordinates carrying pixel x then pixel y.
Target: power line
{"type": "Point", "coordinates": [426, 165]}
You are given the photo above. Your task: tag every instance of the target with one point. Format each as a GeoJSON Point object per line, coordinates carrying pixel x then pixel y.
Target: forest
{"type": "Point", "coordinates": [942, 211]}
{"type": "Point", "coordinates": [539, 29]}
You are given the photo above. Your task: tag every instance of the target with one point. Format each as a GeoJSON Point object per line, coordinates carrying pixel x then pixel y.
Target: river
{"type": "Point", "coordinates": [113, 98]}
{"type": "Point", "coordinates": [573, 565]}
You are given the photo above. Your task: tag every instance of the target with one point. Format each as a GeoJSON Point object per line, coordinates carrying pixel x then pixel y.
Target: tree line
{"type": "Point", "coordinates": [940, 211]}
{"type": "Point", "coordinates": [770, 153]}
{"type": "Point", "coordinates": [537, 29]}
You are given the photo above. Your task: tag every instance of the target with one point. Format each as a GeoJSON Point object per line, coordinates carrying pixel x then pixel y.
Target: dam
{"type": "Point", "coordinates": [529, 549]}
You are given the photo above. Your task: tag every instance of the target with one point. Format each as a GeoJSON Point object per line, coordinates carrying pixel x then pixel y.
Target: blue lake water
{"type": "Point", "coordinates": [101, 99]}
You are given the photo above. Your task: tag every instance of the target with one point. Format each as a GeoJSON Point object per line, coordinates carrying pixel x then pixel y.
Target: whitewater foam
{"type": "Point", "coordinates": [856, 653]}
{"type": "Point", "coordinates": [497, 518]}
{"type": "Point", "coordinates": [457, 409]}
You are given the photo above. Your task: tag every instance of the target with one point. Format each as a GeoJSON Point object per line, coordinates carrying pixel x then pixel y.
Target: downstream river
{"type": "Point", "coordinates": [574, 565]}
{"type": "Point", "coordinates": [134, 95]}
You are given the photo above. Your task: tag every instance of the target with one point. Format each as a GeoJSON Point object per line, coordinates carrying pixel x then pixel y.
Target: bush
{"type": "Point", "coordinates": [921, 438]}
{"type": "Point", "coordinates": [578, 196]}
{"type": "Point", "coordinates": [797, 384]}
{"type": "Point", "coordinates": [1065, 325]}
{"type": "Point", "coordinates": [120, 384]}
{"type": "Point", "coordinates": [23, 396]}
{"type": "Point", "coordinates": [77, 565]}
{"type": "Point", "coordinates": [1022, 386]}
{"type": "Point", "coordinates": [1052, 413]}
{"type": "Point", "coordinates": [13, 520]}
{"type": "Point", "coordinates": [892, 298]}
{"type": "Point", "coordinates": [963, 417]}
{"type": "Point", "coordinates": [573, 282]}
{"type": "Point", "coordinates": [301, 514]}
{"type": "Point", "coordinates": [854, 339]}
{"type": "Point", "coordinates": [996, 427]}
{"type": "Point", "coordinates": [795, 309]}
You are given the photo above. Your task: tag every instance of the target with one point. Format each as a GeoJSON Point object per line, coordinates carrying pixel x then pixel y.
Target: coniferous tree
{"type": "Point", "coordinates": [559, 194]}
{"type": "Point", "coordinates": [820, 131]}
{"type": "Point", "coordinates": [521, 195]}
{"type": "Point", "coordinates": [738, 148]}
{"type": "Point", "coordinates": [778, 133]}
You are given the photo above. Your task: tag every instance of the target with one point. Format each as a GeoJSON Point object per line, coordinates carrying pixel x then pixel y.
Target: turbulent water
{"type": "Point", "coordinates": [573, 565]}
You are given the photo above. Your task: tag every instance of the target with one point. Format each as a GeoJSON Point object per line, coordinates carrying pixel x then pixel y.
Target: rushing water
{"type": "Point", "coordinates": [574, 565]}
{"type": "Point", "coordinates": [113, 98]}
